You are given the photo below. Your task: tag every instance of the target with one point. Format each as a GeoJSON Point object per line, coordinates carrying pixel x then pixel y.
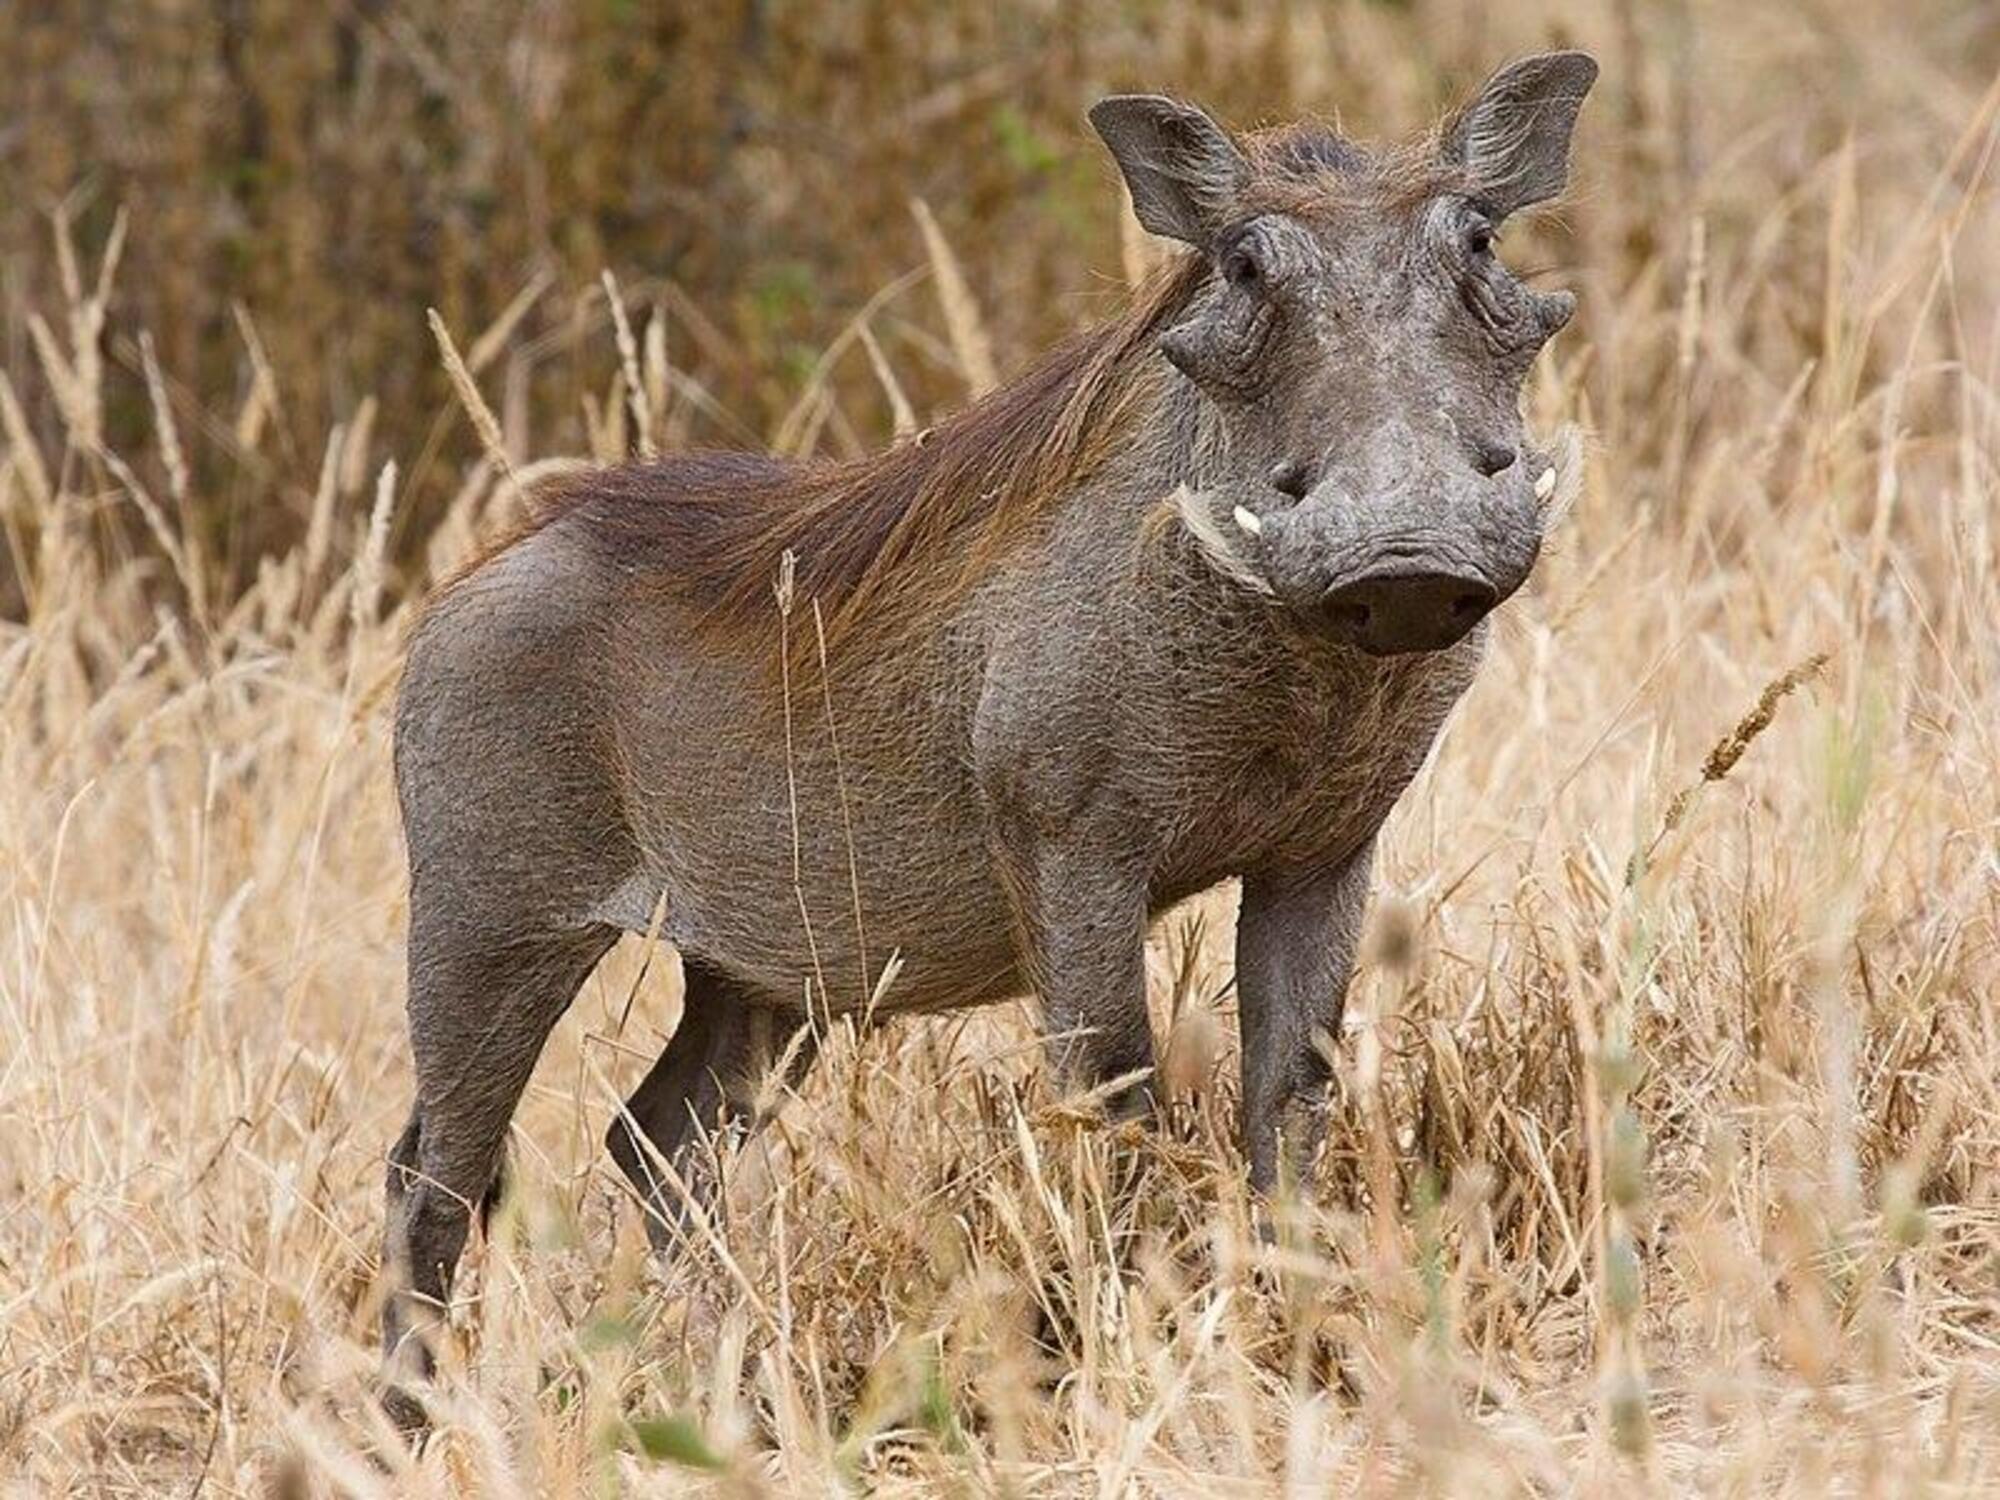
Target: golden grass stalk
{"type": "Point", "coordinates": [22, 450]}
{"type": "Point", "coordinates": [962, 321]}
{"type": "Point", "coordinates": [165, 430]}
{"type": "Point", "coordinates": [628, 359]}
{"type": "Point", "coordinates": [260, 403]}
{"type": "Point", "coordinates": [902, 416]}
{"type": "Point", "coordinates": [474, 404]}
{"type": "Point", "coordinates": [373, 550]}
{"type": "Point", "coordinates": [1727, 751]}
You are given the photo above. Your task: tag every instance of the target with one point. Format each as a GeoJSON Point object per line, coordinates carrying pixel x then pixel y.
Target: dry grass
{"type": "Point", "coordinates": [1670, 1156]}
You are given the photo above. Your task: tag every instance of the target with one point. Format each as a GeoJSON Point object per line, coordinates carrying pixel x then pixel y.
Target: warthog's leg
{"type": "Point", "coordinates": [480, 1009]}
{"type": "Point", "coordinates": [707, 1079]}
{"type": "Point", "coordinates": [1082, 924]}
{"type": "Point", "coordinates": [1295, 939]}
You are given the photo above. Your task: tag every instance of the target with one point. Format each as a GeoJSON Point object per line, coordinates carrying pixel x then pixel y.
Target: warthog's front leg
{"type": "Point", "coordinates": [1082, 929]}
{"type": "Point", "coordinates": [1295, 940]}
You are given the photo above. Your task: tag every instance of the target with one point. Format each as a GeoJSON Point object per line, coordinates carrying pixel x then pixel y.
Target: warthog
{"type": "Point", "coordinates": [1188, 601]}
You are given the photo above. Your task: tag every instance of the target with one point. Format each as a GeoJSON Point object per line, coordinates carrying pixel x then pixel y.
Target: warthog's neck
{"type": "Point", "coordinates": [1287, 746]}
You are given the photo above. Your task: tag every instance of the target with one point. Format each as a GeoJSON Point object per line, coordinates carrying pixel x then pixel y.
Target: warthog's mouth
{"type": "Point", "coordinates": [1232, 544]}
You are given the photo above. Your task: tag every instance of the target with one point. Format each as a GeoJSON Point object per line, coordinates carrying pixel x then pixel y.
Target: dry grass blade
{"type": "Point", "coordinates": [903, 417]}
{"type": "Point", "coordinates": [1727, 751]}
{"type": "Point", "coordinates": [165, 430]}
{"type": "Point", "coordinates": [319, 519]}
{"type": "Point", "coordinates": [628, 359]}
{"type": "Point", "coordinates": [374, 549]}
{"type": "Point", "coordinates": [76, 400]}
{"type": "Point", "coordinates": [961, 311]}
{"type": "Point", "coordinates": [260, 404]}
{"type": "Point", "coordinates": [487, 347]}
{"type": "Point", "coordinates": [22, 448]}
{"type": "Point", "coordinates": [481, 415]}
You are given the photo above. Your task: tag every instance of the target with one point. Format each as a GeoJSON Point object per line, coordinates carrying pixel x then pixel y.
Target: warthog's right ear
{"type": "Point", "coordinates": [1182, 168]}
{"type": "Point", "coordinates": [1513, 139]}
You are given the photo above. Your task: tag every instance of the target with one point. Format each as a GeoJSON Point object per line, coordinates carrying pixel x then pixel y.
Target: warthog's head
{"type": "Point", "coordinates": [1360, 348]}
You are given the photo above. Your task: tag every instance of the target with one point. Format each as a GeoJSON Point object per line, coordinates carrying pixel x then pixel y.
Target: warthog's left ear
{"type": "Point", "coordinates": [1513, 139]}
{"type": "Point", "coordinates": [1183, 170]}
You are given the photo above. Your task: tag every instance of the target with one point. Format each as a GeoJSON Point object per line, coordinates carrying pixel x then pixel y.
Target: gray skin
{"type": "Point", "coordinates": [1122, 714]}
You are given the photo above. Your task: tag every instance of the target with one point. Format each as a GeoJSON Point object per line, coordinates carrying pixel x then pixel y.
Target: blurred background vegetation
{"type": "Point", "coordinates": [302, 178]}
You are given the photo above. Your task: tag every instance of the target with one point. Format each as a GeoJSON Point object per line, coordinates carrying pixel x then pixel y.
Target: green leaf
{"type": "Point", "coordinates": [934, 1411]}
{"type": "Point", "coordinates": [676, 1440]}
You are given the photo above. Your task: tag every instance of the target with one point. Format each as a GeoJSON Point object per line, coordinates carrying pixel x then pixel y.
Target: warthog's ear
{"type": "Point", "coordinates": [1513, 139]}
{"type": "Point", "coordinates": [1183, 170]}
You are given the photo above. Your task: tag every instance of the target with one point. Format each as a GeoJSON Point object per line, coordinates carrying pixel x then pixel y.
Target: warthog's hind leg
{"type": "Point", "coordinates": [707, 1079]}
{"type": "Point", "coordinates": [480, 1010]}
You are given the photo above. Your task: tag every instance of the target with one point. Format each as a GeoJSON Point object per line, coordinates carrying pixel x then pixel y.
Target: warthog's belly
{"type": "Point", "coordinates": [791, 860]}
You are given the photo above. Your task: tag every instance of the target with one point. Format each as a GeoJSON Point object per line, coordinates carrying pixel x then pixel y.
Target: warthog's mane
{"type": "Point", "coordinates": [877, 538]}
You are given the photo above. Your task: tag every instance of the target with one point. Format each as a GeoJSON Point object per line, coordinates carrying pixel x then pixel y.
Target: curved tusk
{"type": "Point", "coordinates": [1214, 543]}
{"type": "Point", "coordinates": [1546, 485]}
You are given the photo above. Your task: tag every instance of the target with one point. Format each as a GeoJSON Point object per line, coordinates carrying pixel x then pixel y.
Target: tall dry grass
{"type": "Point", "coordinates": [1669, 1151]}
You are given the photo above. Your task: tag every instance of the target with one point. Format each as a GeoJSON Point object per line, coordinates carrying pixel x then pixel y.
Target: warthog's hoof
{"type": "Point", "coordinates": [406, 1412]}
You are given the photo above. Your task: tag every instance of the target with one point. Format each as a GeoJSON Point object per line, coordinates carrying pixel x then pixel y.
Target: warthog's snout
{"type": "Point", "coordinates": [1403, 607]}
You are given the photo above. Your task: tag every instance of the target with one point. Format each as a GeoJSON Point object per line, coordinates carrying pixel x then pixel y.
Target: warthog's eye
{"type": "Point", "coordinates": [1240, 269]}
{"type": "Point", "coordinates": [1221, 344]}
{"type": "Point", "coordinates": [1479, 240]}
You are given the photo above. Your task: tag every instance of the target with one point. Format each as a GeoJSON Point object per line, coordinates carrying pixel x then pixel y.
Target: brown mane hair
{"type": "Point", "coordinates": [898, 532]}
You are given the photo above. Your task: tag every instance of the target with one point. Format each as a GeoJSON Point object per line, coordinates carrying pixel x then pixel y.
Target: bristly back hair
{"type": "Point", "coordinates": [895, 534]}
{"type": "Point", "coordinates": [1307, 165]}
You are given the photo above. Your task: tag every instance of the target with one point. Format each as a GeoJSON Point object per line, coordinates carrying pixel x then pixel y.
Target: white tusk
{"type": "Point", "coordinates": [1199, 519]}
{"type": "Point", "coordinates": [1546, 485]}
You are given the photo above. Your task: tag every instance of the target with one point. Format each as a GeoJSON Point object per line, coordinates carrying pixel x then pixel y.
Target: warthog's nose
{"type": "Point", "coordinates": [1388, 613]}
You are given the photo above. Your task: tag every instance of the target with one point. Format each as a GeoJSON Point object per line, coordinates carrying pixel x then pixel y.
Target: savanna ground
{"type": "Point", "coordinates": [1669, 1151]}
